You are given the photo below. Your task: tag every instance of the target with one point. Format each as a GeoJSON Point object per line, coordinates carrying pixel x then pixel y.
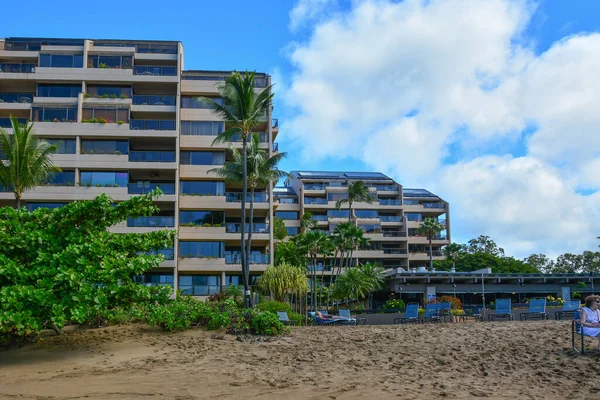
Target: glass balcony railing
{"type": "Point", "coordinates": [17, 68]}
{"type": "Point", "coordinates": [390, 218]}
{"type": "Point", "coordinates": [200, 290]}
{"type": "Point", "coordinates": [434, 205]}
{"type": "Point", "coordinates": [233, 197]}
{"type": "Point", "coordinates": [154, 71]}
{"type": "Point", "coordinates": [151, 156]}
{"type": "Point", "coordinates": [395, 251]}
{"type": "Point", "coordinates": [256, 228]}
{"type": "Point", "coordinates": [381, 188]}
{"type": "Point", "coordinates": [389, 202]}
{"type": "Point", "coordinates": [320, 218]}
{"type": "Point", "coordinates": [152, 125]}
{"type": "Point", "coordinates": [169, 254]}
{"type": "Point", "coordinates": [145, 187]}
{"type": "Point", "coordinates": [308, 200]}
{"type": "Point", "coordinates": [314, 187]}
{"type": "Point", "coordinates": [5, 122]}
{"type": "Point", "coordinates": [151, 222]}
{"type": "Point", "coordinates": [394, 234]}
{"type": "Point", "coordinates": [254, 258]}
{"type": "Point", "coordinates": [275, 146]}
{"type": "Point", "coordinates": [153, 100]}
{"type": "Point", "coordinates": [16, 97]}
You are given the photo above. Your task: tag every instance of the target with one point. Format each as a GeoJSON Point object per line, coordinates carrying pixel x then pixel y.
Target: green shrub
{"type": "Point", "coordinates": [266, 323]}
{"type": "Point", "coordinates": [298, 318]}
{"type": "Point", "coordinates": [395, 303]}
{"type": "Point", "coordinates": [421, 311]}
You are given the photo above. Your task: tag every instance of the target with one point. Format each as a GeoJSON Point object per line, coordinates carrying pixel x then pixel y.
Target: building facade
{"type": "Point", "coordinates": [125, 119]}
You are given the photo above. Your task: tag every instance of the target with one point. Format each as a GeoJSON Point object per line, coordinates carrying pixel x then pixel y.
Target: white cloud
{"type": "Point", "coordinates": [395, 84]}
{"type": "Point", "coordinates": [308, 10]}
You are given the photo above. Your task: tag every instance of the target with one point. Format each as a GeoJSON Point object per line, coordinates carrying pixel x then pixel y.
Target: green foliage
{"type": "Point", "coordinates": [394, 303]}
{"type": "Point", "coordinates": [62, 265]}
{"type": "Point", "coordinates": [357, 282]}
{"type": "Point", "coordinates": [274, 306]}
{"type": "Point", "coordinates": [455, 302]}
{"type": "Point", "coordinates": [290, 253]}
{"type": "Point", "coordinates": [283, 279]}
{"type": "Point", "coordinates": [472, 262]}
{"type": "Point", "coordinates": [279, 230]}
{"type": "Point", "coordinates": [266, 323]}
{"type": "Point", "coordinates": [358, 191]}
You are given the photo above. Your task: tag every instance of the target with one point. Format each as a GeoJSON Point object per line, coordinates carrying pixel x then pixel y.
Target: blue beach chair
{"type": "Point", "coordinates": [444, 309]}
{"type": "Point", "coordinates": [432, 313]}
{"type": "Point", "coordinates": [285, 319]}
{"type": "Point", "coordinates": [410, 316]}
{"type": "Point", "coordinates": [320, 321]}
{"type": "Point", "coordinates": [358, 321]}
{"type": "Point", "coordinates": [568, 309]}
{"type": "Point", "coordinates": [537, 309]}
{"type": "Point", "coordinates": [503, 310]}
{"type": "Point", "coordinates": [577, 329]}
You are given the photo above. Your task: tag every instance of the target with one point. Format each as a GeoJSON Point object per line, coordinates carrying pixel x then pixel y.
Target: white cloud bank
{"type": "Point", "coordinates": [396, 84]}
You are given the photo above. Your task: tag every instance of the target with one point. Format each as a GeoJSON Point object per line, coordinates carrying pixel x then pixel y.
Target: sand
{"type": "Point", "coordinates": [524, 360]}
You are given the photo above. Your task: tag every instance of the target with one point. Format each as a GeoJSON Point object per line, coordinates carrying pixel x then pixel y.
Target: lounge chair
{"type": "Point", "coordinates": [568, 309]}
{"type": "Point", "coordinates": [410, 316]}
{"type": "Point", "coordinates": [503, 310]}
{"type": "Point", "coordinates": [285, 319]}
{"type": "Point", "coordinates": [320, 321]}
{"type": "Point", "coordinates": [444, 309]}
{"type": "Point", "coordinates": [346, 314]}
{"type": "Point", "coordinates": [432, 313]}
{"type": "Point", "coordinates": [537, 309]}
{"type": "Point", "coordinates": [577, 329]}
{"type": "Point", "coordinates": [472, 312]}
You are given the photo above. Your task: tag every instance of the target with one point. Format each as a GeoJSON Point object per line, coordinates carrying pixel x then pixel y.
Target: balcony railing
{"type": "Point", "coordinates": [395, 251]}
{"type": "Point", "coordinates": [256, 228]}
{"type": "Point", "coordinates": [394, 234]}
{"type": "Point", "coordinates": [320, 218]}
{"type": "Point", "coordinates": [152, 125]}
{"type": "Point", "coordinates": [5, 122]}
{"type": "Point", "coordinates": [389, 202]}
{"type": "Point", "coordinates": [154, 71]}
{"type": "Point", "coordinates": [16, 97]}
{"type": "Point", "coordinates": [17, 68]}
{"type": "Point", "coordinates": [152, 156]}
{"type": "Point", "coordinates": [315, 201]}
{"type": "Point", "coordinates": [435, 237]}
{"type": "Point", "coordinates": [275, 123]}
{"type": "Point", "coordinates": [169, 254]}
{"type": "Point", "coordinates": [434, 205]}
{"type": "Point", "coordinates": [151, 222]}
{"type": "Point", "coordinates": [233, 197]}
{"type": "Point", "coordinates": [275, 146]}
{"type": "Point", "coordinates": [153, 100]}
{"type": "Point", "coordinates": [314, 187]}
{"type": "Point", "coordinates": [434, 253]}
{"type": "Point", "coordinates": [144, 187]}
{"type": "Point", "coordinates": [386, 188]}
{"type": "Point", "coordinates": [200, 290]}
{"type": "Point", "coordinates": [254, 259]}
{"type": "Point", "coordinates": [390, 218]}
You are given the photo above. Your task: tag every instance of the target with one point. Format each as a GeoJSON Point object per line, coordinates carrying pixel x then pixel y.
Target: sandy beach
{"type": "Point", "coordinates": [525, 360]}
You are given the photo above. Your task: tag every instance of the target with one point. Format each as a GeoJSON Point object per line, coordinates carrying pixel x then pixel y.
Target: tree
{"type": "Point", "coordinates": [63, 265]}
{"type": "Point", "coordinates": [279, 230]}
{"type": "Point", "coordinates": [590, 261]}
{"type": "Point", "coordinates": [540, 262]}
{"type": "Point", "coordinates": [291, 252]}
{"type": "Point", "coordinates": [374, 275]}
{"type": "Point", "coordinates": [454, 251]}
{"type": "Point", "coordinates": [486, 245]}
{"type": "Point", "coordinates": [357, 192]}
{"type": "Point", "coordinates": [315, 243]}
{"type": "Point", "coordinates": [475, 261]}
{"type": "Point", "coordinates": [568, 263]}
{"type": "Point", "coordinates": [429, 228]}
{"type": "Point", "coordinates": [307, 223]}
{"type": "Point", "coordinates": [357, 283]}
{"type": "Point", "coordinates": [243, 110]}
{"type": "Point", "coordinates": [28, 159]}
{"type": "Point", "coordinates": [283, 279]}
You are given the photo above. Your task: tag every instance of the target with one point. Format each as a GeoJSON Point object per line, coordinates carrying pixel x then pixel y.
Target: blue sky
{"type": "Point", "coordinates": [451, 104]}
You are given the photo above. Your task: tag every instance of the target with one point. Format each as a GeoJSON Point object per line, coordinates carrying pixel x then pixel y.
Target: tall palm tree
{"type": "Point", "coordinates": [315, 243]}
{"type": "Point", "coordinates": [453, 251]}
{"type": "Point", "coordinates": [374, 275]}
{"type": "Point", "coordinates": [429, 228]}
{"type": "Point", "coordinates": [261, 169]}
{"type": "Point", "coordinates": [28, 159]}
{"type": "Point", "coordinates": [358, 191]}
{"type": "Point", "coordinates": [242, 110]}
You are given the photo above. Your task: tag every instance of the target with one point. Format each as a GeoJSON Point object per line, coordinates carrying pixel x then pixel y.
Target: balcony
{"type": "Point", "coordinates": [20, 101]}
{"type": "Point", "coordinates": [256, 228]}
{"type": "Point", "coordinates": [236, 197]}
{"type": "Point", "coordinates": [386, 188]}
{"type": "Point", "coordinates": [392, 234]}
{"type": "Point", "coordinates": [151, 125]}
{"type": "Point", "coordinates": [390, 218]}
{"type": "Point", "coordinates": [145, 187]}
{"type": "Point", "coordinates": [315, 201]}
{"type": "Point", "coordinates": [395, 251]}
{"type": "Point", "coordinates": [17, 68]}
{"type": "Point", "coordinates": [314, 186]}
{"type": "Point", "coordinates": [275, 147]}
{"type": "Point", "coordinates": [5, 122]}
{"type": "Point", "coordinates": [151, 70]}
{"type": "Point", "coordinates": [151, 222]}
{"type": "Point", "coordinates": [320, 218]}
{"type": "Point", "coordinates": [154, 104]}
{"type": "Point", "coordinates": [254, 259]}
{"type": "Point", "coordinates": [152, 156]}
{"type": "Point", "coordinates": [389, 202]}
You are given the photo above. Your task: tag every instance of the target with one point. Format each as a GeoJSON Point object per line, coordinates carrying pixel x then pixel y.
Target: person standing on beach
{"type": "Point", "coordinates": [590, 318]}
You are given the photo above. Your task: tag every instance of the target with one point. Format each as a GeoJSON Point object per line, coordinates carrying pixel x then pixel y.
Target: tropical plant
{"type": "Point", "coordinates": [279, 230]}
{"type": "Point", "coordinates": [359, 282]}
{"type": "Point", "coordinates": [242, 110]}
{"type": "Point", "coordinates": [307, 223]}
{"type": "Point", "coordinates": [291, 252]}
{"type": "Point", "coordinates": [315, 243]}
{"type": "Point", "coordinates": [28, 159]}
{"type": "Point", "coordinates": [453, 251]}
{"type": "Point", "coordinates": [282, 280]}
{"type": "Point", "coordinates": [358, 191]}
{"type": "Point", "coordinates": [429, 228]}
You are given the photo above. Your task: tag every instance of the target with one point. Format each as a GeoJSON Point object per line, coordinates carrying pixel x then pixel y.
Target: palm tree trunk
{"type": "Point", "coordinates": [430, 255]}
{"type": "Point", "coordinates": [18, 200]}
{"type": "Point", "coordinates": [250, 226]}
{"type": "Point", "coordinates": [245, 271]}
{"type": "Point", "coordinates": [314, 288]}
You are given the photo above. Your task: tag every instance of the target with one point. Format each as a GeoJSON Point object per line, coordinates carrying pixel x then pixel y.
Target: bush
{"type": "Point", "coordinates": [395, 303]}
{"type": "Point", "coordinates": [298, 318]}
{"type": "Point", "coordinates": [266, 323]}
{"type": "Point", "coordinates": [455, 302]}
{"type": "Point", "coordinates": [274, 306]}
{"type": "Point", "coordinates": [421, 312]}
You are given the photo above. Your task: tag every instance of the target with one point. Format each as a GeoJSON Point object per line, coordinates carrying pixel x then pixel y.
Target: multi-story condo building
{"type": "Point", "coordinates": [390, 221]}
{"type": "Point", "coordinates": [125, 119]}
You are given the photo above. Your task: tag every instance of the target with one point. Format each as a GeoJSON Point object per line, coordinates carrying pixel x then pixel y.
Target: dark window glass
{"type": "Point", "coordinates": [202, 128]}
{"type": "Point", "coordinates": [104, 146]}
{"type": "Point", "coordinates": [202, 157]}
{"type": "Point", "coordinates": [193, 102]}
{"type": "Point", "coordinates": [337, 213]}
{"type": "Point", "coordinates": [203, 188]}
{"type": "Point", "coordinates": [201, 217]}
{"type": "Point", "coordinates": [64, 146]}
{"type": "Point", "coordinates": [47, 114]}
{"type": "Point", "coordinates": [64, 178]}
{"type": "Point", "coordinates": [199, 285]}
{"type": "Point", "coordinates": [335, 196]}
{"type": "Point", "coordinates": [61, 60]}
{"type": "Point", "coordinates": [286, 214]}
{"type": "Point", "coordinates": [35, 206]}
{"type": "Point", "coordinates": [101, 178]}
{"type": "Point", "coordinates": [292, 230]}
{"type": "Point", "coordinates": [201, 249]}
{"type": "Point", "coordinates": [58, 90]}
{"type": "Point", "coordinates": [366, 213]}
{"type": "Point", "coordinates": [413, 216]}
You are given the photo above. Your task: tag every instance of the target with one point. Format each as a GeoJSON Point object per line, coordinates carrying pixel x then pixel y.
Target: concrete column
{"type": "Point", "coordinates": [223, 277]}
{"type": "Point", "coordinates": [77, 180]}
{"type": "Point", "coordinates": [271, 184]}
{"type": "Point", "coordinates": [79, 107]}
{"type": "Point", "coordinates": [86, 47]}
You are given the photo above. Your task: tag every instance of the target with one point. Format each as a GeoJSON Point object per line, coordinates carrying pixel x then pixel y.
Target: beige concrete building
{"type": "Point", "coordinates": [390, 221]}
{"type": "Point", "coordinates": [125, 120]}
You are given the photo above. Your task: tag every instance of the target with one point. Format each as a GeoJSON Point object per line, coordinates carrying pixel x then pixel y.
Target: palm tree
{"type": "Point", "coordinates": [357, 191]}
{"type": "Point", "coordinates": [279, 230]}
{"type": "Point", "coordinates": [315, 243]}
{"type": "Point", "coordinates": [28, 159]}
{"type": "Point", "coordinates": [453, 251]}
{"type": "Point", "coordinates": [243, 110]}
{"type": "Point", "coordinates": [375, 277]}
{"type": "Point", "coordinates": [307, 223]}
{"type": "Point", "coordinates": [429, 228]}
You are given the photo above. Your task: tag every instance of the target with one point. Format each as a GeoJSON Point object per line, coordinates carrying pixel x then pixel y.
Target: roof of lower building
{"type": "Point", "coordinates": [339, 175]}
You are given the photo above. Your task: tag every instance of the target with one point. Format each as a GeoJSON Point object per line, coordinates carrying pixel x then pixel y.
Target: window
{"type": "Point", "coordinates": [119, 62]}
{"type": "Point", "coordinates": [35, 206]}
{"type": "Point", "coordinates": [200, 285]}
{"type": "Point", "coordinates": [202, 157]}
{"type": "Point", "coordinates": [202, 128]}
{"type": "Point", "coordinates": [286, 214]}
{"type": "Point", "coordinates": [109, 91]}
{"type": "Point", "coordinates": [201, 249]}
{"type": "Point", "coordinates": [104, 147]}
{"type": "Point", "coordinates": [168, 254]}
{"type": "Point", "coordinates": [58, 90]}
{"type": "Point", "coordinates": [49, 114]}
{"type": "Point", "coordinates": [64, 146]}
{"type": "Point", "coordinates": [292, 230]}
{"type": "Point", "coordinates": [192, 102]}
{"type": "Point", "coordinates": [413, 217]}
{"type": "Point", "coordinates": [107, 114]}
{"type": "Point", "coordinates": [192, 188]}
{"type": "Point", "coordinates": [64, 178]}
{"type": "Point", "coordinates": [154, 279]}
{"type": "Point", "coordinates": [101, 178]}
{"type": "Point", "coordinates": [370, 228]}
{"type": "Point", "coordinates": [288, 200]}
{"type": "Point", "coordinates": [200, 218]}
{"type": "Point", "coordinates": [336, 196]}
{"type": "Point", "coordinates": [366, 213]}
{"type": "Point", "coordinates": [337, 213]}
{"type": "Point", "coordinates": [61, 60]}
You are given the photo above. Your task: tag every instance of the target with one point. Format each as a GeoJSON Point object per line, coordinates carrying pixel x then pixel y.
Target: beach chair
{"type": "Point", "coordinates": [537, 309]}
{"type": "Point", "coordinates": [445, 309]}
{"type": "Point", "coordinates": [410, 316]}
{"type": "Point", "coordinates": [432, 313]}
{"type": "Point", "coordinates": [577, 330]}
{"type": "Point", "coordinates": [568, 309]}
{"type": "Point", "coordinates": [346, 314]}
{"type": "Point", "coordinates": [472, 312]}
{"type": "Point", "coordinates": [285, 319]}
{"type": "Point", "coordinates": [320, 321]}
{"type": "Point", "coordinates": [503, 310]}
